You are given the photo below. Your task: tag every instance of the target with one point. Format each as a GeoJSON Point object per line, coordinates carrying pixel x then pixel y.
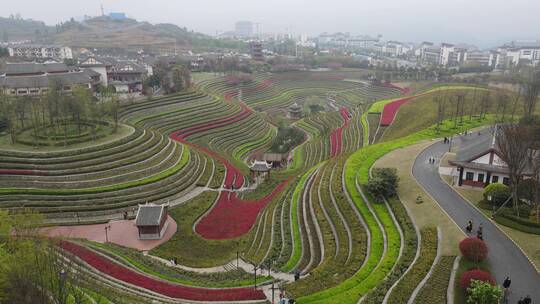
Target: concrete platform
{"type": "Point", "coordinates": [123, 233]}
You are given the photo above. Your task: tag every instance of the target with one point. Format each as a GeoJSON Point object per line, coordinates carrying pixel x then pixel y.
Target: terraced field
{"type": "Point", "coordinates": [312, 217]}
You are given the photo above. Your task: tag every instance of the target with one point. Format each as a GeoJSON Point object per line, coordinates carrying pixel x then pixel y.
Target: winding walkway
{"type": "Point", "coordinates": [505, 257]}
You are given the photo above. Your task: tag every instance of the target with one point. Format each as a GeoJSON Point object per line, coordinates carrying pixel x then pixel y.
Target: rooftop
{"type": "Point", "coordinates": [260, 166]}
{"type": "Point", "coordinates": [149, 215]}
{"type": "Point", "coordinates": [34, 68]}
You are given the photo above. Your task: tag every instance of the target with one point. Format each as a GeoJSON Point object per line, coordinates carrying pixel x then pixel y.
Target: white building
{"type": "Point", "coordinates": [446, 50]}
{"type": "Point", "coordinates": [526, 52]}
{"type": "Point", "coordinates": [479, 162]}
{"type": "Point", "coordinates": [37, 51]}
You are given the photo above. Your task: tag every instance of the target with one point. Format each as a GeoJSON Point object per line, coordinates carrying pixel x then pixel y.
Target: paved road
{"type": "Point", "coordinates": [505, 257]}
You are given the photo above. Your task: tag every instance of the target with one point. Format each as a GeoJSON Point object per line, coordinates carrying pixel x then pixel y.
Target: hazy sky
{"type": "Point", "coordinates": [481, 22]}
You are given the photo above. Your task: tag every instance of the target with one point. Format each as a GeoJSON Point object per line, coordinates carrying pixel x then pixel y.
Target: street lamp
{"type": "Point", "coordinates": [255, 274]}
{"type": "Point", "coordinates": [107, 228]}
{"type": "Point", "coordinates": [63, 276]}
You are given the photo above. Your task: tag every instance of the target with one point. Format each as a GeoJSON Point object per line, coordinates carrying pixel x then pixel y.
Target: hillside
{"type": "Point", "coordinates": [21, 29]}
{"type": "Point", "coordinates": [104, 32]}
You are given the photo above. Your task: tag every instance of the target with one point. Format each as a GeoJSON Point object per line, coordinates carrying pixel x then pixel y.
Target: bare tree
{"type": "Point", "coordinates": [531, 88]}
{"type": "Point", "coordinates": [484, 105]}
{"type": "Point", "coordinates": [441, 103]}
{"type": "Point", "coordinates": [502, 105]}
{"type": "Point", "coordinates": [515, 142]}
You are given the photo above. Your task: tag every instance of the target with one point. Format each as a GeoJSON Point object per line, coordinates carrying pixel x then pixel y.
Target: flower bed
{"type": "Point", "coordinates": [336, 137]}
{"type": "Point", "coordinates": [230, 217]}
{"type": "Point", "coordinates": [390, 110]}
{"type": "Point", "coordinates": [124, 274]}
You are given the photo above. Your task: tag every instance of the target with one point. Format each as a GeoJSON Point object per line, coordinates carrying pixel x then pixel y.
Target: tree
{"type": "Point", "coordinates": [473, 249]}
{"type": "Point", "coordinates": [383, 183]}
{"type": "Point", "coordinates": [441, 103]}
{"type": "Point", "coordinates": [515, 143]}
{"type": "Point", "coordinates": [483, 293]}
{"type": "Point", "coordinates": [531, 88]}
{"type": "Point", "coordinates": [496, 194]}
{"type": "Point", "coordinates": [7, 114]}
{"type": "Point", "coordinates": [475, 274]}
{"type": "Point", "coordinates": [82, 97]}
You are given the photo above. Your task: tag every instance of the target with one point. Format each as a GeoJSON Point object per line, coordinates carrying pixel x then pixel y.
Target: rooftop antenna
{"type": "Point", "coordinates": [102, 10]}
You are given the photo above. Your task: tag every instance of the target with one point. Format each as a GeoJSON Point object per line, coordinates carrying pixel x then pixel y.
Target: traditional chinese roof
{"type": "Point", "coordinates": [295, 107]}
{"type": "Point", "coordinates": [33, 68]}
{"type": "Point", "coordinates": [80, 77]}
{"type": "Point", "coordinates": [260, 166]}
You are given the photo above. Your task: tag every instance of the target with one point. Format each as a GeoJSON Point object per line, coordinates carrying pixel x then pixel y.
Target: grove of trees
{"type": "Point", "coordinates": [57, 114]}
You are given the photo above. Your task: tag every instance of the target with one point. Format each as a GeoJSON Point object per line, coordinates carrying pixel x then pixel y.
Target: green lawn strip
{"type": "Point", "coordinates": [428, 251]}
{"type": "Point", "coordinates": [242, 150]}
{"type": "Point", "coordinates": [378, 106]}
{"type": "Point", "coordinates": [375, 255]}
{"type": "Point", "coordinates": [369, 277]}
{"type": "Point", "coordinates": [148, 180]}
{"type": "Point", "coordinates": [202, 252]}
{"type": "Point", "coordinates": [434, 291]}
{"type": "Point", "coordinates": [410, 242]}
{"type": "Point", "coordinates": [297, 244]}
{"type": "Point", "coordinates": [359, 163]}
{"type": "Point", "coordinates": [146, 269]}
{"type": "Point", "coordinates": [298, 158]}
{"type": "Point", "coordinates": [365, 129]}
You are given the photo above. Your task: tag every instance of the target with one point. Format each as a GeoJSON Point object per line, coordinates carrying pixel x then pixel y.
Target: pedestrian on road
{"type": "Point", "coordinates": [479, 234]}
{"type": "Point", "coordinates": [469, 227]}
{"type": "Point", "coordinates": [527, 300]}
{"type": "Point", "coordinates": [520, 301]}
{"type": "Point", "coordinates": [507, 282]}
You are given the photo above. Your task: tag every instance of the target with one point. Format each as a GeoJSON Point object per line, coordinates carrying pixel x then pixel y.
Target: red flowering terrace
{"type": "Point", "coordinates": [230, 217]}
{"type": "Point", "coordinates": [336, 137]}
{"type": "Point", "coordinates": [176, 291]}
{"type": "Point", "coordinates": [390, 110]}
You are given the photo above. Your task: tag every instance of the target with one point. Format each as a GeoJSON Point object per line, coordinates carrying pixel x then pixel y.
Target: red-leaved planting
{"type": "Point", "coordinates": [390, 110]}
{"type": "Point", "coordinates": [108, 267]}
{"type": "Point", "coordinates": [401, 90]}
{"type": "Point", "coordinates": [230, 217]}
{"type": "Point", "coordinates": [475, 274]}
{"type": "Point", "coordinates": [473, 249]}
{"type": "Point", "coordinates": [336, 137]}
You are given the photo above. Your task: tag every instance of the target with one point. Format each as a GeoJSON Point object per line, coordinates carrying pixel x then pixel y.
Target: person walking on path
{"type": "Point", "coordinates": [506, 283]}
{"type": "Point", "coordinates": [480, 232]}
{"type": "Point", "coordinates": [506, 289]}
{"type": "Point", "coordinates": [527, 300]}
{"type": "Point", "coordinates": [469, 227]}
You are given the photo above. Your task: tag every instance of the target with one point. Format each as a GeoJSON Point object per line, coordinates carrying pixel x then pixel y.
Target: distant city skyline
{"type": "Point", "coordinates": [485, 23]}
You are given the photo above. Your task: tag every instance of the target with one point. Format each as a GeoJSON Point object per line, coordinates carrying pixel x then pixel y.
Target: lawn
{"type": "Point", "coordinates": [201, 253]}
{"type": "Point", "coordinates": [428, 213]}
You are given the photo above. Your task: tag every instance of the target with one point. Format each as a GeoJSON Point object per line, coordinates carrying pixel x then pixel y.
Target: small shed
{"type": "Point", "coordinates": [151, 221]}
